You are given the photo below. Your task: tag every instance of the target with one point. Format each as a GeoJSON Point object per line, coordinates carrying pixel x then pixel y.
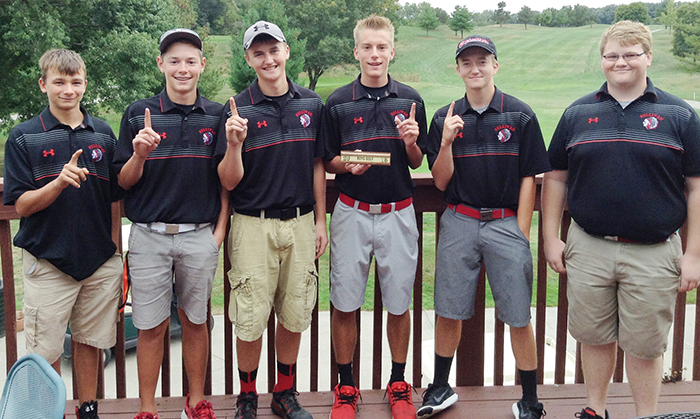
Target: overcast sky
{"type": "Point", "coordinates": [514, 6]}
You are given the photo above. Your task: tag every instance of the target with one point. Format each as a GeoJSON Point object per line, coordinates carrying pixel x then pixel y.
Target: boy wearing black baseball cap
{"type": "Point", "coordinates": [484, 151]}
{"type": "Point", "coordinates": [164, 161]}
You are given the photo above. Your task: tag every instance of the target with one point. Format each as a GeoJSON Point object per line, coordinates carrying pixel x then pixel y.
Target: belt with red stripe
{"type": "Point", "coordinates": [482, 214]}
{"type": "Point", "coordinates": [376, 208]}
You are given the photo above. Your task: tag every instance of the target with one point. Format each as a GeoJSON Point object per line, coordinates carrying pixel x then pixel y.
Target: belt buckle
{"type": "Point", "coordinates": [172, 228]}
{"type": "Point", "coordinates": [375, 208]}
{"type": "Point", "coordinates": [486, 215]}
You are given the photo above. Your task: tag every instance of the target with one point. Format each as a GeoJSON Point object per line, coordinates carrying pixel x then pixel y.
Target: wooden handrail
{"type": "Point", "coordinates": [471, 355]}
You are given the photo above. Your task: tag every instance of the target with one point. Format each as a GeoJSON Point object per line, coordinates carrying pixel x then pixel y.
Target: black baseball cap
{"type": "Point", "coordinates": [179, 35]}
{"type": "Point", "coordinates": [259, 28]}
{"type": "Point", "coordinates": [477, 41]}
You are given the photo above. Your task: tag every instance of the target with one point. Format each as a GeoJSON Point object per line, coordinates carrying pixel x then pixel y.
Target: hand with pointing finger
{"type": "Point", "coordinates": [408, 128]}
{"type": "Point", "coordinates": [71, 174]}
{"type": "Point", "coordinates": [236, 127]}
{"type": "Point", "coordinates": [147, 139]}
{"type": "Point", "coordinates": [452, 125]}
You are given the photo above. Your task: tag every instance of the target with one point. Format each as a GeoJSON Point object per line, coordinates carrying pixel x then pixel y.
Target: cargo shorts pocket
{"type": "Point", "coordinates": [31, 315]}
{"type": "Point", "coordinates": [241, 307]}
{"type": "Point", "coordinates": [307, 295]}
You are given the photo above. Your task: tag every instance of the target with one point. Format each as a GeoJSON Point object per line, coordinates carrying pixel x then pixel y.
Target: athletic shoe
{"type": "Point", "coordinates": [401, 400]}
{"type": "Point", "coordinates": [247, 406]}
{"type": "Point", "coordinates": [344, 402]}
{"type": "Point", "coordinates": [435, 400]}
{"type": "Point", "coordinates": [284, 403]}
{"type": "Point", "coordinates": [88, 410]}
{"type": "Point", "coordinates": [588, 413]}
{"type": "Point", "coordinates": [203, 410]}
{"type": "Point", "coordinates": [146, 415]}
{"type": "Point", "coordinates": [526, 410]}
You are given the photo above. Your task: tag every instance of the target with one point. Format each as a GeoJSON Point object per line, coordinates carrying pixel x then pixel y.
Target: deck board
{"type": "Point", "coordinates": [474, 402]}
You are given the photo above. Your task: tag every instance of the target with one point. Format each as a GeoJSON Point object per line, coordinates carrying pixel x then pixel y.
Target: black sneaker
{"type": "Point", "coordinates": [88, 410]}
{"type": "Point", "coordinates": [435, 400]}
{"type": "Point", "coordinates": [284, 403]}
{"type": "Point", "coordinates": [588, 413]}
{"type": "Point", "coordinates": [247, 406]}
{"type": "Point", "coordinates": [525, 410]}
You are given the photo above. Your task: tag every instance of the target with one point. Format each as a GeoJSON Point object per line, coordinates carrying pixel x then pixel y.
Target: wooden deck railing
{"type": "Point", "coordinates": [470, 359]}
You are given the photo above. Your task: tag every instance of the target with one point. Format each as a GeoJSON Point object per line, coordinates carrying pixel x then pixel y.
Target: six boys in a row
{"type": "Point", "coordinates": [177, 159]}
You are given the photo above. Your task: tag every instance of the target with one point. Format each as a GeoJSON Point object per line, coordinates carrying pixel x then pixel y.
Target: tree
{"type": "Point", "coordinates": [442, 16]}
{"type": "Point", "coordinates": [606, 15]}
{"type": "Point", "coordinates": [461, 20]}
{"type": "Point", "coordinates": [117, 40]}
{"type": "Point", "coordinates": [545, 18]}
{"type": "Point", "coordinates": [526, 15]}
{"type": "Point", "coordinates": [582, 15]}
{"type": "Point", "coordinates": [220, 15]}
{"type": "Point", "coordinates": [428, 20]}
{"type": "Point", "coordinates": [327, 26]}
{"type": "Point", "coordinates": [636, 12]}
{"type": "Point", "coordinates": [686, 36]}
{"type": "Point", "coordinates": [562, 17]}
{"type": "Point", "coordinates": [409, 12]}
{"type": "Point", "coordinates": [501, 16]}
{"type": "Point", "coordinates": [272, 11]}
{"type": "Point", "coordinates": [668, 16]}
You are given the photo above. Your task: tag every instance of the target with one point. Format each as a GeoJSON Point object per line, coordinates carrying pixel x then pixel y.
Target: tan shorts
{"type": "Point", "coordinates": [52, 300]}
{"type": "Point", "coordinates": [272, 265]}
{"type": "Point", "coordinates": [622, 291]}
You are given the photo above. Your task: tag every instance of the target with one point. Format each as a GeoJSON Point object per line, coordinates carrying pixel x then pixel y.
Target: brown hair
{"type": "Point", "coordinates": [627, 33]}
{"type": "Point", "coordinates": [64, 61]}
{"type": "Point", "coordinates": [375, 22]}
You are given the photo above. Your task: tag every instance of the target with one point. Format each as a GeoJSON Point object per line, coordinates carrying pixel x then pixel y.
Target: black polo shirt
{"type": "Point", "coordinates": [74, 232]}
{"type": "Point", "coordinates": [179, 183]}
{"type": "Point", "coordinates": [358, 120]}
{"type": "Point", "coordinates": [492, 153]}
{"type": "Point", "coordinates": [279, 149]}
{"type": "Point", "coordinates": [626, 167]}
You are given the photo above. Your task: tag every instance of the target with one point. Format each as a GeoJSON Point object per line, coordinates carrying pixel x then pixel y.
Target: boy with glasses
{"type": "Point", "coordinates": [624, 158]}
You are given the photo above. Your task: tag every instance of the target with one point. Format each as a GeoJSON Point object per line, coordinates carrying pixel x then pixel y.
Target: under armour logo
{"type": "Point", "coordinates": [459, 135]}
{"type": "Point", "coordinates": [593, 120]}
{"type": "Point", "coordinates": [263, 26]}
{"type": "Point", "coordinates": [358, 120]}
{"type": "Point", "coordinates": [49, 153]}
{"type": "Point", "coordinates": [262, 124]}
{"type": "Point", "coordinates": [163, 135]}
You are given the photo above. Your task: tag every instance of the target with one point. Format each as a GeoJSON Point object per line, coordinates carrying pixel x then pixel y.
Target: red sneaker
{"type": "Point", "coordinates": [203, 410]}
{"type": "Point", "coordinates": [146, 415]}
{"type": "Point", "coordinates": [344, 402]}
{"type": "Point", "coordinates": [401, 400]}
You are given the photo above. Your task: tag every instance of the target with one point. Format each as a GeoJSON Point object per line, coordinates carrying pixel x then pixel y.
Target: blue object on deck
{"type": "Point", "coordinates": [33, 389]}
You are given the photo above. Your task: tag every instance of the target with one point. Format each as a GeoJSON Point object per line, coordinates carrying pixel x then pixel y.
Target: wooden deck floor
{"type": "Point", "coordinates": [474, 402]}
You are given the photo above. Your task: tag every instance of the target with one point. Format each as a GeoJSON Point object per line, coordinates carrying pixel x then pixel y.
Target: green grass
{"type": "Point", "coordinates": [548, 68]}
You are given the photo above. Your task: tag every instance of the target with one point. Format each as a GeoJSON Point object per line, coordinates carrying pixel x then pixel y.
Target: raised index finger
{"type": "Point", "coordinates": [74, 158]}
{"type": "Point", "coordinates": [450, 110]}
{"type": "Point", "coordinates": [234, 109]}
{"type": "Point", "coordinates": [412, 114]}
{"type": "Point", "coordinates": [147, 119]}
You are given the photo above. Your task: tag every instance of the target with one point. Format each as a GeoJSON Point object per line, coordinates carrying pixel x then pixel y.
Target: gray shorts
{"type": "Point", "coordinates": [156, 259]}
{"type": "Point", "coordinates": [464, 243]}
{"type": "Point", "coordinates": [392, 239]}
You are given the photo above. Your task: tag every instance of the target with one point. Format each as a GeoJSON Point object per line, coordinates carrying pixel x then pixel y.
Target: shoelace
{"type": "Point", "coordinates": [347, 398]}
{"type": "Point", "coordinates": [289, 400]}
{"type": "Point", "coordinates": [205, 410]}
{"type": "Point", "coordinates": [400, 395]}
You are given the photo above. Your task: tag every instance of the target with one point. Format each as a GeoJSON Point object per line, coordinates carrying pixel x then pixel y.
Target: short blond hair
{"type": "Point", "coordinates": [376, 22]}
{"type": "Point", "coordinates": [627, 33]}
{"type": "Point", "coordinates": [64, 61]}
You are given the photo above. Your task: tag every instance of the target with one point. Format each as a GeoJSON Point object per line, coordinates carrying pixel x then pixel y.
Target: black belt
{"type": "Point", "coordinates": [278, 213]}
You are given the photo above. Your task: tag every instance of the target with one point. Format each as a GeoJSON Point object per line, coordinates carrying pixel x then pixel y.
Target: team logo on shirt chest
{"type": "Point", "coordinates": [97, 152]}
{"type": "Point", "coordinates": [651, 120]}
{"type": "Point", "coordinates": [401, 114]}
{"type": "Point", "coordinates": [504, 132]}
{"type": "Point", "coordinates": [304, 118]}
{"type": "Point", "coordinates": [208, 135]}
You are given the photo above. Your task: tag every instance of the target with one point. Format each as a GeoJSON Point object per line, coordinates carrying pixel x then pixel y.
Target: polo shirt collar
{"type": "Point", "coordinates": [649, 94]}
{"type": "Point", "coordinates": [359, 91]}
{"type": "Point", "coordinates": [463, 105]}
{"type": "Point", "coordinates": [49, 122]}
{"type": "Point", "coordinates": [257, 96]}
{"type": "Point", "coordinates": [167, 105]}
